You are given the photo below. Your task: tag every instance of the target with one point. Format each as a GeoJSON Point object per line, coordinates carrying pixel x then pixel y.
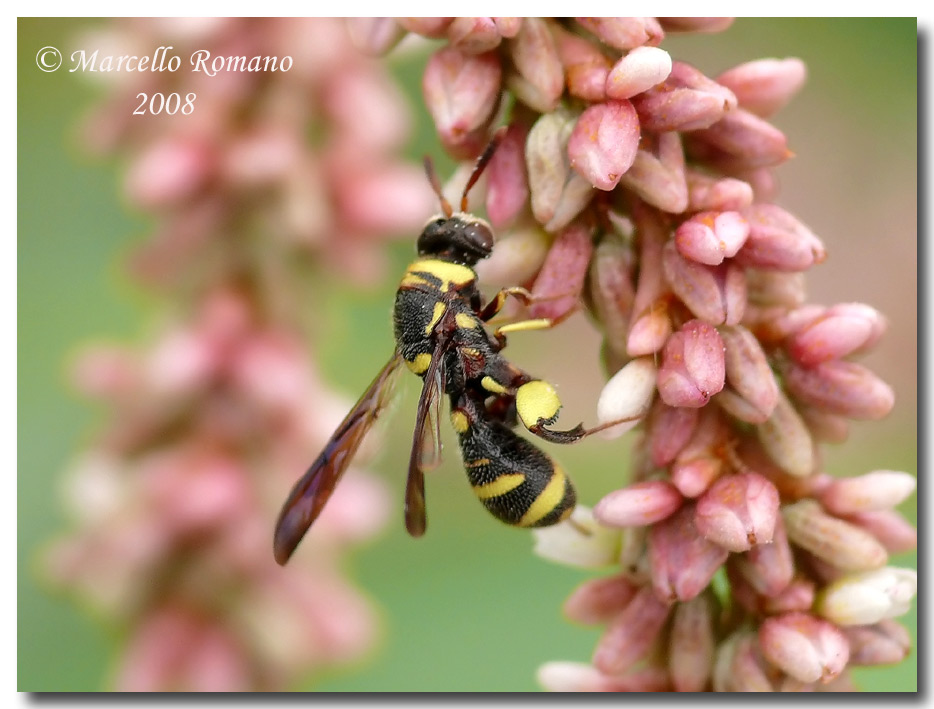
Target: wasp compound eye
{"type": "Point", "coordinates": [460, 240]}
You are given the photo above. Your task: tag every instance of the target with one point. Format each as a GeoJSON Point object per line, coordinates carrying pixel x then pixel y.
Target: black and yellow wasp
{"type": "Point", "coordinates": [438, 319]}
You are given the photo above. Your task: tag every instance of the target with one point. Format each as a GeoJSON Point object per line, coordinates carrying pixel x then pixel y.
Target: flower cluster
{"type": "Point", "coordinates": [271, 176]}
{"type": "Point", "coordinates": [644, 188]}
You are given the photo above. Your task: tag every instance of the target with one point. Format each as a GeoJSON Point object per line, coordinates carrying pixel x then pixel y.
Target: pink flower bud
{"type": "Point", "coordinates": [624, 32]}
{"type": "Point", "coordinates": [374, 35]}
{"type": "Point", "coordinates": [709, 237]}
{"type": "Point", "coordinates": [171, 171]}
{"type": "Point", "coordinates": [738, 512]}
{"type": "Point", "coordinates": [579, 677]}
{"type": "Point", "coordinates": [796, 596]}
{"type": "Point", "coordinates": [692, 645]}
{"type": "Point", "coordinates": [884, 643]}
{"type": "Point", "coordinates": [747, 139]}
{"type": "Point", "coordinates": [558, 193]}
{"type": "Point", "coordinates": [768, 568]}
{"type": "Point", "coordinates": [611, 291]}
{"type": "Point", "coordinates": [716, 294]}
{"type": "Point", "coordinates": [692, 367]}
{"type": "Point", "coordinates": [669, 430]}
{"type": "Point", "coordinates": [686, 101]}
{"type": "Point", "coordinates": [807, 648]}
{"type": "Point", "coordinates": [840, 331]}
{"type": "Point", "coordinates": [433, 27]}
{"type": "Point", "coordinates": [657, 173]}
{"type": "Point", "coordinates": [878, 490]}
{"type": "Point", "coordinates": [599, 600]}
{"type": "Point", "coordinates": [844, 545]}
{"type": "Point", "coordinates": [649, 332]}
{"type": "Point", "coordinates": [631, 635]}
{"type": "Point", "coordinates": [637, 71]}
{"type": "Point", "coordinates": [868, 597]}
{"type": "Point", "coordinates": [786, 439]}
{"type": "Point", "coordinates": [778, 241]}
{"type": "Point", "coordinates": [507, 189]}
{"type": "Point", "coordinates": [714, 193]}
{"type": "Point", "coordinates": [892, 530]}
{"type": "Point", "coordinates": [462, 92]}
{"type": "Point", "coordinates": [700, 461]}
{"type": "Point", "coordinates": [843, 388]}
{"type": "Point", "coordinates": [604, 141]}
{"type": "Point", "coordinates": [561, 278]}
{"type": "Point", "coordinates": [508, 26]}
{"type": "Point", "coordinates": [639, 504]}
{"type": "Point", "coordinates": [765, 85]}
{"type": "Point", "coordinates": [627, 395]}
{"type": "Point", "coordinates": [474, 35]}
{"type": "Point", "coordinates": [683, 562]}
{"type": "Point", "coordinates": [585, 66]}
{"type": "Point", "coordinates": [538, 79]}
{"type": "Point", "coordinates": [748, 373]}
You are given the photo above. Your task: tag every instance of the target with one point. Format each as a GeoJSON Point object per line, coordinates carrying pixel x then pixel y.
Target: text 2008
{"type": "Point", "coordinates": [170, 104]}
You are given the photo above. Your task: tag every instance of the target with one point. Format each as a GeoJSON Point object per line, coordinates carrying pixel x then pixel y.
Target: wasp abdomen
{"type": "Point", "coordinates": [517, 482]}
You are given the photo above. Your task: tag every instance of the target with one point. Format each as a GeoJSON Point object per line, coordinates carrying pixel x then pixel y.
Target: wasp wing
{"type": "Point", "coordinates": [426, 442]}
{"type": "Point", "coordinates": [313, 490]}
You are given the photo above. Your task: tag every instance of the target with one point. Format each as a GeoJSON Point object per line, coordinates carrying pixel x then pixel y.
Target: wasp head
{"type": "Point", "coordinates": [461, 238]}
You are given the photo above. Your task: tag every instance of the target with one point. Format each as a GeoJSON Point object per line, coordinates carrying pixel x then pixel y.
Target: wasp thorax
{"type": "Point", "coordinates": [462, 238]}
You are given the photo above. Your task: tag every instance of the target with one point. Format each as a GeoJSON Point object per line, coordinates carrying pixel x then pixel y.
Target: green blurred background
{"type": "Point", "coordinates": [468, 607]}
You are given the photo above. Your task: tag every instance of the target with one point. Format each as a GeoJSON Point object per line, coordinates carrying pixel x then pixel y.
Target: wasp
{"type": "Point", "coordinates": [439, 323]}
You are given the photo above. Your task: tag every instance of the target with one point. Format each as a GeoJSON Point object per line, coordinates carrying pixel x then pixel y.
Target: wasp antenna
{"type": "Point", "coordinates": [482, 162]}
{"type": "Point", "coordinates": [436, 186]}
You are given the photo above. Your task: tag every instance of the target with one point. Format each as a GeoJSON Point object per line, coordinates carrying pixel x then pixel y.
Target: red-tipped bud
{"type": "Point", "coordinates": [843, 388]}
{"type": "Point", "coordinates": [538, 79]}
{"type": "Point", "coordinates": [875, 491]}
{"type": "Point", "coordinates": [668, 432]}
{"type": "Point", "coordinates": [738, 512]}
{"type": "Point", "coordinates": [751, 382]}
{"type": "Point", "coordinates": [700, 461]}
{"type": "Point", "coordinates": [746, 139]}
{"type": "Point", "coordinates": [585, 66]}
{"type": "Point", "coordinates": [649, 332]}
{"type": "Point", "coordinates": [683, 562]}
{"type": "Point", "coordinates": [558, 193]}
{"type": "Point", "coordinates": [639, 504]}
{"type": "Point", "coordinates": [657, 173]}
{"type": "Point", "coordinates": [624, 32]}
{"type": "Point", "coordinates": [631, 635]}
{"type": "Point", "coordinates": [710, 237]}
{"type": "Point", "coordinates": [461, 92]}
{"type": "Point", "coordinates": [474, 35]}
{"type": "Point", "coordinates": [686, 101]}
{"type": "Point", "coordinates": [807, 648]}
{"type": "Point", "coordinates": [765, 85]}
{"type": "Point", "coordinates": [507, 190]}
{"type": "Point", "coordinates": [713, 193]}
{"type": "Point", "coordinates": [693, 366]}
{"type": "Point", "coordinates": [638, 71]}
{"type": "Point", "coordinates": [561, 278]}
{"type": "Point", "coordinates": [777, 240]}
{"type": "Point", "coordinates": [692, 645]}
{"type": "Point", "coordinates": [844, 545]}
{"type": "Point", "coordinates": [716, 294]}
{"type": "Point", "coordinates": [768, 568]}
{"type": "Point", "coordinates": [885, 643]}
{"type": "Point", "coordinates": [600, 600]}
{"type": "Point", "coordinates": [892, 530]}
{"type": "Point", "coordinates": [786, 439]}
{"type": "Point", "coordinates": [841, 330]}
{"type": "Point", "coordinates": [611, 291]}
{"type": "Point", "coordinates": [796, 596]}
{"type": "Point", "coordinates": [603, 143]}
